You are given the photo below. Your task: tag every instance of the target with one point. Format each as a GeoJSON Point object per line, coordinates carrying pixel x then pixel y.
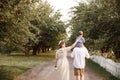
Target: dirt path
{"type": "Point", "coordinates": [46, 71]}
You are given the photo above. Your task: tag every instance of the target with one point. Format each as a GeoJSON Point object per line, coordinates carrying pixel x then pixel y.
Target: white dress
{"type": "Point", "coordinates": [62, 63]}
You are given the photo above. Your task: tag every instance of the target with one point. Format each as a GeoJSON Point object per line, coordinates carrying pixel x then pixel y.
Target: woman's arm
{"type": "Point", "coordinates": [55, 61]}
{"type": "Point", "coordinates": [72, 46]}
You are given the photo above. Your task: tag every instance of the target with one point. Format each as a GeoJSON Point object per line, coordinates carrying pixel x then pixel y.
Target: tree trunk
{"type": "Point", "coordinates": [117, 54]}
{"type": "Point", "coordinates": [43, 50]}
{"type": "Point", "coordinates": [48, 49]}
{"type": "Point", "coordinates": [27, 49]}
{"type": "Point", "coordinates": [39, 49]}
{"type": "Point", "coordinates": [34, 51]}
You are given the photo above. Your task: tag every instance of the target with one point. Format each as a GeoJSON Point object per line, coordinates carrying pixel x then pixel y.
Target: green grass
{"type": "Point", "coordinates": [110, 55]}
{"type": "Point", "coordinates": [16, 64]}
{"type": "Point", "coordinates": [10, 72]}
{"type": "Point", "coordinates": [99, 70]}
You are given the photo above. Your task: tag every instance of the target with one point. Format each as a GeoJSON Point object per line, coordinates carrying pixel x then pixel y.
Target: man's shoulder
{"type": "Point", "coordinates": [76, 48]}
{"type": "Point", "coordinates": [80, 48]}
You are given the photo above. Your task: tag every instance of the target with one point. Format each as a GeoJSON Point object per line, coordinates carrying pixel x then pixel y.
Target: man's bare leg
{"type": "Point", "coordinates": [81, 74]}
{"type": "Point", "coordinates": [82, 77]}
{"type": "Point", "coordinates": [78, 78]}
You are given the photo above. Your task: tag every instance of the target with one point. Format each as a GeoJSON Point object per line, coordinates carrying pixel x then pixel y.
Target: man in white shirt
{"type": "Point", "coordinates": [79, 54]}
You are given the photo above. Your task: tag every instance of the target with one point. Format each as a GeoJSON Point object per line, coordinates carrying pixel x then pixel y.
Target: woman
{"type": "Point", "coordinates": [62, 61]}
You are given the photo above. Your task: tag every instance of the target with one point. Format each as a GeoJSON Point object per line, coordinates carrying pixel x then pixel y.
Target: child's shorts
{"type": "Point", "coordinates": [78, 71]}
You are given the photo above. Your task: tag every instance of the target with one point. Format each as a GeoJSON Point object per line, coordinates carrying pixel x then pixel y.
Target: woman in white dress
{"type": "Point", "coordinates": [62, 63]}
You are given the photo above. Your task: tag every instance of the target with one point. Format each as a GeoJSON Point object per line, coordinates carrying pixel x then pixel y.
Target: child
{"type": "Point", "coordinates": [81, 39]}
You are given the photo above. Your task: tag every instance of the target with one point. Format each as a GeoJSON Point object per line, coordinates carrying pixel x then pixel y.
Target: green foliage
{"type": "Point", "coordinates": [100, 21]}
{"type": "Point", "coordinates": [49, 36]}
{"type": "Point", "coordinates": [28, 21]}
{"type": "Point", "coordinates": [10, 72]}
{"type": "Point", "coordinates": [14, 30]}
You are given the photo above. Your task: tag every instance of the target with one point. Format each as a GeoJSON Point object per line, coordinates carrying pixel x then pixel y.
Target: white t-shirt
{"type": "Point", "coordinates": [79, 54]}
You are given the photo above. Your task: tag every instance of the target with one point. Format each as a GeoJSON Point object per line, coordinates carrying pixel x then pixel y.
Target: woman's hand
{"type": "Point", "coordinates": [55, 66]}
{"type": "Point", "coordinates": [73, 45]}
{"type": "Point", "coordinates": [76, 40]}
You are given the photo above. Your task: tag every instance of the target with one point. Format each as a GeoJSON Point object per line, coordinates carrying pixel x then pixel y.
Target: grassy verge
{"type": "Point", "coordinates": [16, 64]}
{"type": "Point", "coordinates": [99, 70]}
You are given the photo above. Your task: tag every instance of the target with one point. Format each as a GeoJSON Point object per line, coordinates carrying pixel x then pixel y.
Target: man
{"type": "Point", "coordinates": [79, 54]}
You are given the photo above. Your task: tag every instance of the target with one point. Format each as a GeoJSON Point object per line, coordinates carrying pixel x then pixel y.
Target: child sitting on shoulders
{"type": "Point", "coordinates": [81, 39]}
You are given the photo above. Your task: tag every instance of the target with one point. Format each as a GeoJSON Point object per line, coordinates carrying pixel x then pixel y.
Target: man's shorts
{"type": "Point", "coordinates": [78, 71]}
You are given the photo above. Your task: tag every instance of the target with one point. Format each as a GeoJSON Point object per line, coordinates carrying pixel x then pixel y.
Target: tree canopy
{"type": "Point", "coordinates": [100, 21]}
{"type": "Point", "coordinates": [29, 22]}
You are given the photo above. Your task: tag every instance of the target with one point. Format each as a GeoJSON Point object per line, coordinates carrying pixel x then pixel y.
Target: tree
{"type": "Point", "coordinates": [52, 32]}
{"type": "Point", "coordinates": [100, 21]}
{"type": "Point", "coordinates": [14, 30]}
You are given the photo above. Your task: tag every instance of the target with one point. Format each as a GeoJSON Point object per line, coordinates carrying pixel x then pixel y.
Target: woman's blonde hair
{"type": "Point", "coordinates": [61, 43]}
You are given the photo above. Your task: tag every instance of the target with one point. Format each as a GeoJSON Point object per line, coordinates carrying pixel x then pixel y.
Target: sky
{"type": "Point", "coordinates": [64, 6]}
